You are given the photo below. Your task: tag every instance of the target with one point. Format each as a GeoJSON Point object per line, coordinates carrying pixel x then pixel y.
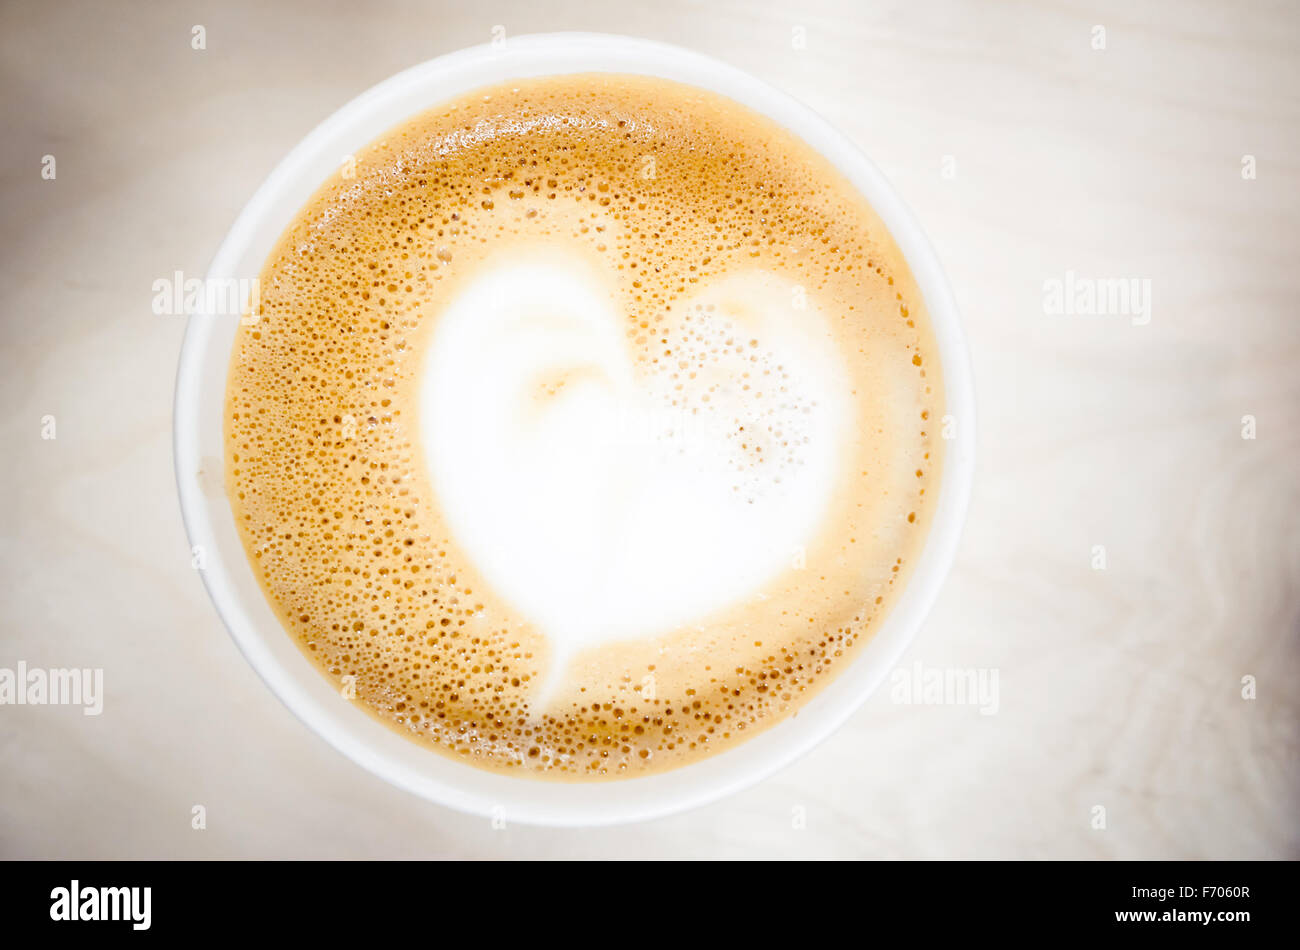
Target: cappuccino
{"type": "Point", "coordinates": [586, 426]}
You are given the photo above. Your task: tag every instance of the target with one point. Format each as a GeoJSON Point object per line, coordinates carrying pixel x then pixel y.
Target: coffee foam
{"type": "Point", "coordinates": [589, 427]}
{"type": "Point", "coordinates": [607, 500]}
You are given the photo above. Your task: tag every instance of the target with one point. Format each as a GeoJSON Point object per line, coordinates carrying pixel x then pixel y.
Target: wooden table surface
{"type": "Point", "coordinates": [1170, 156]}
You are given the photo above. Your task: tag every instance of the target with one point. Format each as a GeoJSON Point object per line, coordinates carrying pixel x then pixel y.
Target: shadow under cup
{"type": "Point", "coordinates": [199, 445]}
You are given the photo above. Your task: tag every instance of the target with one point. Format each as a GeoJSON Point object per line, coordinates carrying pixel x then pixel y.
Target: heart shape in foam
{"type": "Point", "coordinates": [610, 490]}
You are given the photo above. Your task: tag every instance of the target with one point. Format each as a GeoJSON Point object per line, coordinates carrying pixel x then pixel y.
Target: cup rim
{"type": "Point", "coordinates": [817, 718]}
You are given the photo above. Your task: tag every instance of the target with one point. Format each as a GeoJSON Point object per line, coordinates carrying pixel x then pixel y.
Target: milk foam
{"type": "Point", "coordinates": [532, 442]}
{"type": "Point", "coordinates": [607, 499]}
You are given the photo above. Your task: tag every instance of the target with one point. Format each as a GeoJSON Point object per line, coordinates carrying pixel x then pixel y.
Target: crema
{"type": "Point", "coordinates": [586, 426]}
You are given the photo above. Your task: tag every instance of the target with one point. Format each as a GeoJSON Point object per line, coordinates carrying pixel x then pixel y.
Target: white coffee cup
{"type": "Point", "coordinates": [200, 393]}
